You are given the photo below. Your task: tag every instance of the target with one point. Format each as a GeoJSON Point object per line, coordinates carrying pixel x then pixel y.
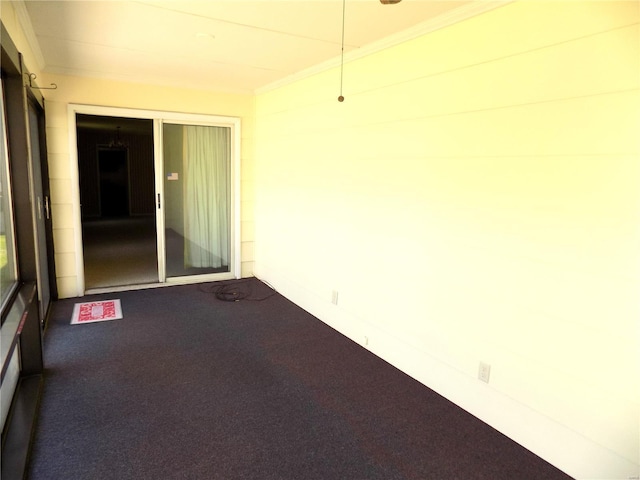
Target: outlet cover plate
{"type": "Point", "coordinates": [484, 371]}
{"type": "Point", "coordinates": [334, 297]}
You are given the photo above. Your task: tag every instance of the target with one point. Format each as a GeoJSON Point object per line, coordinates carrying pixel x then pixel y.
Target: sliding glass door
{"type": "Point", "coordinates": [41, 207]}
{"type": "Point", "coordinates": [197, 193]}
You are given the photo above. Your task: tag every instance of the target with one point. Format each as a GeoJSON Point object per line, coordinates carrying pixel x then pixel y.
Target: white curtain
{"type": "Point", "coordinates": [206, 196]}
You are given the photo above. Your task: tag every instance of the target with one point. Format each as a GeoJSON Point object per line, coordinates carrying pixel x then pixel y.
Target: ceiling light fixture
{"type": "Point", "coordinates": [116, 142]}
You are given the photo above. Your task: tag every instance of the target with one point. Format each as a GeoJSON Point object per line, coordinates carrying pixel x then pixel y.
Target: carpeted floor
{"type": "Point", "coordinates": [187, 386]}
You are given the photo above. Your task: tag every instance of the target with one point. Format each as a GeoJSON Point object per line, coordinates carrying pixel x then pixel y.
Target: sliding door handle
{"type": "Point", "coordinates": [158, 201]}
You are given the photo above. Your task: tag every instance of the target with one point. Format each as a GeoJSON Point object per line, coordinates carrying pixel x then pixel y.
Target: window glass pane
{"type": "Point", "coordinates": [197, 189]}
{"type": "Point", "coordinates": [8, 272]}
{"type": "Point", "coordinates": [9, 384]}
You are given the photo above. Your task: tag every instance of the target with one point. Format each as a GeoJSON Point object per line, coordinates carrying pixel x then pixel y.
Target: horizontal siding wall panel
{"type": "Point", "coordinates": [83, 91]}
{"type": "Point", "coordinates": [514, 130]}
{"type": "Point", "coordinates": [476, 198]}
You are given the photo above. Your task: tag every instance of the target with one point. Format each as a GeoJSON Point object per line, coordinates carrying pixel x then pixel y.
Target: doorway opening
{"type": "Point", "coordinates": [158, 196]}
{"type": "Point", "coordinates": [116, 177]}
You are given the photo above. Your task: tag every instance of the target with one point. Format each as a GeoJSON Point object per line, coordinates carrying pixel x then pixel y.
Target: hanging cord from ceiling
{"type": "Point", "coordinates": [236, 290]}
{"type": "Point", "coordinates": [344, 5]}
{"type": "Point", "coordinates": [341, 98]}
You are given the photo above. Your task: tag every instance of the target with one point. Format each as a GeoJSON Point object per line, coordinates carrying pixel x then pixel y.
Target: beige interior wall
{"type": "Point", "coordinates": [476, 199]}
{"type": "Point", "coordinates": [75, 90]}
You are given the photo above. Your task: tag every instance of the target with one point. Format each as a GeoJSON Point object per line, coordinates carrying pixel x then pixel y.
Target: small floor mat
{"type": "Point", "coordinates": [96, 311]}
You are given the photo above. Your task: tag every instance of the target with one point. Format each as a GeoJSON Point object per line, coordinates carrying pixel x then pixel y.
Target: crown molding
{"type": "Point", "coordinates": [445, 20]}
{"type": "Point", "coordinates": [27, 28]}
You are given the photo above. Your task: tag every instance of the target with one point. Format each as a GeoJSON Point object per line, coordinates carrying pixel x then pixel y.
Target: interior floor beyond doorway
{"type": "Point", "coordinates": [119, 252]}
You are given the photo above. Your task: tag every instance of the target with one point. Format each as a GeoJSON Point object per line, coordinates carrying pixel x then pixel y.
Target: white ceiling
{"type": "Point", "coordinates": [226, 45]}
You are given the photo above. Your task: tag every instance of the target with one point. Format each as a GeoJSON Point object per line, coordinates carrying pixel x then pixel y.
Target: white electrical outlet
{"type": "Point", "coordinates": [484, 370]}
{"type": "Point", "coordinates": [334, 297]}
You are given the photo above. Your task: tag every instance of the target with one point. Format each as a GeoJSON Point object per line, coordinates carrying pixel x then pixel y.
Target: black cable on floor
{"type": "Point", "coordinates": [234, 291]}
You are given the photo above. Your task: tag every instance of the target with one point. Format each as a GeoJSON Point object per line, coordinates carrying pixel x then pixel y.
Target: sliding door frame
{"type": "Point", "coordinates": [159, 117]}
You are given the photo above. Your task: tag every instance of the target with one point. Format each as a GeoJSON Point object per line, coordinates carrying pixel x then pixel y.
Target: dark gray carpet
{"type": "Point", "coordinates": [187, 386]}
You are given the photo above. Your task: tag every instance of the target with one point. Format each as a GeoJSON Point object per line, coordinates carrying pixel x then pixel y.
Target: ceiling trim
{"type": "Point", "coordinates": [25, 23]}
{"type": "Point", "coordinates": [447, 19]}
